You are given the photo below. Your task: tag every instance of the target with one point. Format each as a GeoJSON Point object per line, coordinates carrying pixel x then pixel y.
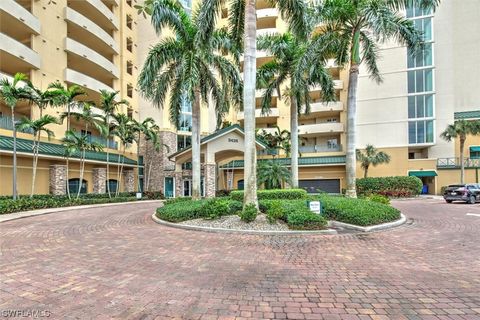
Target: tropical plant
{"type": "Point", "coordinates": [460, 129]}
{"type": "Point", "coordinates": [189, 66]}
{"type": "Point", "coordinates": [44, 98]}
{"type": "Point", "coordinates": [371, 157]}
{"type": "Point", "coordinates": [273, 175]}
{"type": "Point", "coordinates": [109, 105]}
{"type": "Point", "coordinates": [279, 140]}
{"type": "Point", "coordinates": [77, 143]}
{"type": "Point", "coordinates": [243, 30]}
{"type": "Point", "coordinates": [12, 93]}
{"type": "Point", "coordinates": [356, 28]}
{"type": "Point", "coordinates": [299, 64]}
{"type": "Point", "coordinates": [36, 127]}
{"type": "Point", "coordinates": [124, 132]}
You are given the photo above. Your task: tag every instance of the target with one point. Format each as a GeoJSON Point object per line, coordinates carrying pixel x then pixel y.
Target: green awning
{"type": "Point", "coordinates": [307, 161]}
{"type": "Point", "coordinates": [475, 149]}
{"type": "Point", "coordinates": [422, 173]}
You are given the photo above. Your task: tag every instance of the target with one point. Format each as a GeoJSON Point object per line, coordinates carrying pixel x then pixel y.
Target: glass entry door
{"type": "Point", "coordinates": [169, 186]}
{"type": "Point", "coordinates": [187, 188]}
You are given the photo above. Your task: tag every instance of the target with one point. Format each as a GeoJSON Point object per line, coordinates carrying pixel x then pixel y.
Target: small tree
{"type": "Point", "coordinates": [279, 140]}
{"type": "Point", "coordinates": [461, 129]}
{"type": "Point", "coordinates": [273, 175]}
{"type": "Point", "coordinates": [371, 157]}
{"type": "Point", "coordinates": [37, 126]}
{"type": "Point", "coordinates": [124, 132]}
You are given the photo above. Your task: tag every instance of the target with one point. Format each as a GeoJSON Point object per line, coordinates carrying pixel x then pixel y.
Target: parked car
{"type": "Point", "coordinates": [470, 193]}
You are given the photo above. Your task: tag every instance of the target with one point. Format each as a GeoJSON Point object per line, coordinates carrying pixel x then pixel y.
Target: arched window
{"type": "Point", "coordinates": [112, 185]}
{"type": "Point", "coordinates": [74, 184]}
{"type": "Point", "coordinates": [240, 184]}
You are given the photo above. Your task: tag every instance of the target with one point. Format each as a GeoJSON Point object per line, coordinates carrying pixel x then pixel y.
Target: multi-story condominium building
{"type": "Point", "coordinates": [89, 43]}
{"type": "Point", "coordinates": [402, 116]}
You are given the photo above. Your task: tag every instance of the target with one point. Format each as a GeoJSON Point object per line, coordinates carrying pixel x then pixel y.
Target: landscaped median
{"type": "Point", "coordinates": [279, 210]}
{"type": "Point", "coordinates": [25, 203]}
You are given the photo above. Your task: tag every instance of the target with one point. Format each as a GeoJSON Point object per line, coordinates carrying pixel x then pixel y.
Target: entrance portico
{"type": "Point", "coordinates": [224, 145]}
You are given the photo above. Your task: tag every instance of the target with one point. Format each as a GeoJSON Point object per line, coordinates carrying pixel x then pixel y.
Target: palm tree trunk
{"type": "Point", "coordinates": [462, 160]}
{"type": "Point", "coordinates": [351, 165]}
{"type": "Point", "coordinates": [119, 177]}
{"type": "Point", "coordinates": [196, 167]}
{"type": "Point", "coordinates": [150, 163]}
{"type": "Point", "coordinates": [365, 172]}
{"type": "Point", "coordinates": [82, 168]}
{"type": "Point", "coordinates": [250, 66]}
{"type": "Point", "coordinates": [14, 191]}
{"type": "Point", "coordinates": [35, 163]}
{"type": "Point", "coordinates": [294, 140]}
{"type": "Point", "coordinates": [68, 185]}
{"type": "Point", "coordinates": [108, 162]}
{"type": "Point", "coordinates": [68, 157]}
{"type": "Point", "coordinates": [138, 163]}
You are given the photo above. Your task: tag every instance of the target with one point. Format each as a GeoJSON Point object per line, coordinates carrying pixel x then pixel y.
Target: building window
{"type": "Point", "coordinates": [420, 80]}
{"type": "Point", "coordinates": [129, 67]}
{"type": "Point", "coordinates": [129, 22]}
{"type": "Point", "coordinates": [129, 90]}
{"type": "Point", "coordinates": [187, 166]}
{"type": "Point", "coordinates": [421, 132]}
{"type": "Point", "coordinates": [422, 58]}
{"type": "Point", "coordinates": [130, 44]}
{"type": "Point", "coordinates": [130, 113]}
{"type": "Point", "coordinates": [112, 185]}
{"type": "Point", "coordinates": [74, 185]}
{"type": "Point", "coordinates": [183, 141]}
{"type": "Point", "coordinates": [420, 106]}
{"type": "Point", "coordinates": [413, 12]}
{"type": "Point", "coordinates": [185, 121]}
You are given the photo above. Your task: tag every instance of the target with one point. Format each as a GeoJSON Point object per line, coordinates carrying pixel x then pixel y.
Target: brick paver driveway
{"type": "Point", "coordinates": [116, 263]}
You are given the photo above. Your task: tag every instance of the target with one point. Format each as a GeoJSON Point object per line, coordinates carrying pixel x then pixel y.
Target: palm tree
{"type": "Point", "coordinates": [461, 129]}
{"type": "Point", "coordinates": [36, 127]}
{"type": "Point", "coordinates": [124, 132]}
{"type": "Point", "coordinates": [371, 157]}
{"type": "Point", "coordinates": [356, 28]}
{"type": "Point", "coordinates": [189, 66]}
{"type": "Point", "coordinates": [279, 140]}
{"type": "Point", "coordinates": [79, 143]}
{"type": "Point", "coordinates": [109, 105]}
{"type": "Point", "coordinates": [68, 98]}
{"type": "Point", "coordinates": [273, 175]}
{"type": "Point", "coordinates": [11, 93]}
{"type": "Point", "coordinates": [296, 62]}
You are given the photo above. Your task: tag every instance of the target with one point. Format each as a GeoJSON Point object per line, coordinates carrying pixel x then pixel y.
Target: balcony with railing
{"type": "Point", "coordinates": [320, 107]}
{"type": "Point", "coordinates": [6, 123]}
{"type": "Point", "coordinates": [320, 148]}
{"type": "Point", "coordinates": [454, 163]}
{"type": "Point", "coordinates": [320, 128]}
{"type": "Point", "coordinates": [273, 113]}
{"type": "Point", "coordinates": [103, 141]}
{"type": "Point", "coordinates": [18, 52]}
{"type": "Point", "coordinates": [83, 80]}
{"type": "Point", "coordinates": [18, 17]}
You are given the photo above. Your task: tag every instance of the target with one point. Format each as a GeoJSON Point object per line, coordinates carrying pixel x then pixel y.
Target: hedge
{"type": "Point", "coordinates": [357, 211]}
{"type": "Point", "coordinates": [294, 212]}
{"type": "Point", "coordinates": [183, 209]}
{"type": "Point", "coordinates": [147, 195]}
{"type": "Point", "coordinates": [287, 194]}
{"type": "Point", "coordinates": [396, 187]}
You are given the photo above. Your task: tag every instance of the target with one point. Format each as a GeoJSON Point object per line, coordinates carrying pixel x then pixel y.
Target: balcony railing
{"type": "Point", "coordinates": [455, 163]}
{"type": "Point", "coordinates": [103, 141]}
{"type": "Point", "coordinates": [320, 148]}
{"type": "Point", "coordinates": [6, 123]}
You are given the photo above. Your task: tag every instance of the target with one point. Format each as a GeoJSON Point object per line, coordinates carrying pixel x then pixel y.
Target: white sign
{"type": "Point", "coordinates": [314, 206]}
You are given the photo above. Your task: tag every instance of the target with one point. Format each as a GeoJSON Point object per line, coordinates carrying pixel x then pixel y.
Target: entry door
{"type": "Point", "coordinates": [187, 188]}
{"type": "Point", "coordinates": [169, 186]}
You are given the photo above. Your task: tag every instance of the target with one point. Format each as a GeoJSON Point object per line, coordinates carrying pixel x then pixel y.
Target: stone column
{"type": "Point", "coordinates": [128, 180]}
{"type": "Point", "coordinates": [210, 179]}
{"type": "Point", "coordinates": [58, 179]}
{"type": "Point", "coordinates": [99, 180]}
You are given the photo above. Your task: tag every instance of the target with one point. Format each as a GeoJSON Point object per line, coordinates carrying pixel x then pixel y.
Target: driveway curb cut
{"type": "Point", "coordinates": [253, 232]}
{"type": "Point", "coordinates": [378, 227]}
{"type": "Point", "coordinates": [40, 212]}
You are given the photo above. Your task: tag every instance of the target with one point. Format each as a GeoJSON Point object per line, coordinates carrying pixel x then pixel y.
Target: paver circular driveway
{"type": "Point", "coordinates": [115, 262]}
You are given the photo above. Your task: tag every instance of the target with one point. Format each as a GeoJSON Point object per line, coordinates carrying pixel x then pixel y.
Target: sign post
{"type": "Point", "coordinates": [315, 206]}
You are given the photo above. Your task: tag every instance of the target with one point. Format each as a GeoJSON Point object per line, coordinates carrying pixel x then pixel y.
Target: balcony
{"type": "Point", "coordinates": [320, 128]}
{"type": "Point", "coordinates": [337, 85]}
{"type": "Point", "coordinates": [258, 114]}
{"type": "Point", "coordinates": [6, 123]}
{"type": "Point", "coordinates": [81, 22]}
{"type": "Point", "coordinates": [83, 80]}
{"type": "Point", "coordinates": [103, 11]}
{"type": "Point", "coordinates": [18, 50]}
{"type": "Point", "coordinates": [81, 50]}
{"type": "Point", "coordinates": [454, 163]}
{"type": "Point", "coordinates": [320, 148]}
{"type": "Point", "coordinates": [266, 31]}
{"type": "Point", "coordinates": [260, 92]}
{"type": "Point", "coordinates": [320, 107]}
{"type": "Point", "coordinates": [16, 11]}
{"type": "Point", "coordinates": [268, 130]}
{"type": "Point", "coordinates": [103, 141]}
{"type": "Point", "coordinates": [267, 13]}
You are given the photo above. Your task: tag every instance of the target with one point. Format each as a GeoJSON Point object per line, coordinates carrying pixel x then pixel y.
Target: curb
{"type": "Point", "coordinates": [40, 212]}
{"type": "Point", "coordinates": [253, 232]}
{"type": "Point", "coordinates": [377, 227]}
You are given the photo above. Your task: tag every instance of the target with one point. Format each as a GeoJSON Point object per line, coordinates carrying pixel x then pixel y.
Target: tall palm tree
{"type": "Point", "coordinates": [189, 66]}
{"type": "Point", "coordinates": [124, 132]}
{"type": "Point", "coordinates": [109, 105]}
{"type": "Point", "coordinates": [12, 93]}
{"type": "Point", "coordinates": [461, 129]}
{"type": "Point", "coordinates": [357, 28]}
{"type": "Point", "coordinates": [371, 157]}
{"type": "Point", "coordinates": [68, 97]}
{"type": "Point", "coordinates": [243, 26]}
{"type": "Point", "coordinates": [77, 143]}
{"type": "Point", "coordinates": [296, 62]}
{"type": "Point", "coordinates": [36, 127]}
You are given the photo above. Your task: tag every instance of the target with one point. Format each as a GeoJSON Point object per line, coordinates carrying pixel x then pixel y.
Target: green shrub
{"type": "Point", "coordinates": [183, 210]}
{"type": "Point", "coordinates": [357, 211]}
{"type": "Point", "coordinates": [304, 219]}
{"type": "Point", "coordinates": [249, 213]}
{"type": "Point", "coordinates": [286, 194]}
{"type": "Point", "coordinates": [215, 208]}
{"type": "Point", "coordinates": [397, 187]}
{"type": "Point", "coordinates": [178, 199]}
{"type": "Point", "coordinates": [378, 198]}
{"type": "Point", "coordinates": [234, 206]}
{"type": "Point", "coordinates": [275, 211]}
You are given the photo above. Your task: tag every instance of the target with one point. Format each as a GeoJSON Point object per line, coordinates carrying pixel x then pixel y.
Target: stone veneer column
{"type": "Point", "coordinates": [99, 180]}
{"type": "Point", "coordinates": [128, 180]}
{"type": "Point", "coordinates": [58, 179]}
{"type": "Point", "coordinates": [210, 180]}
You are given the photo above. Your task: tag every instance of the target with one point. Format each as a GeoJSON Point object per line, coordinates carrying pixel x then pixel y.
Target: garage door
{"type": "Point", "coordinates": [326, 185]}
